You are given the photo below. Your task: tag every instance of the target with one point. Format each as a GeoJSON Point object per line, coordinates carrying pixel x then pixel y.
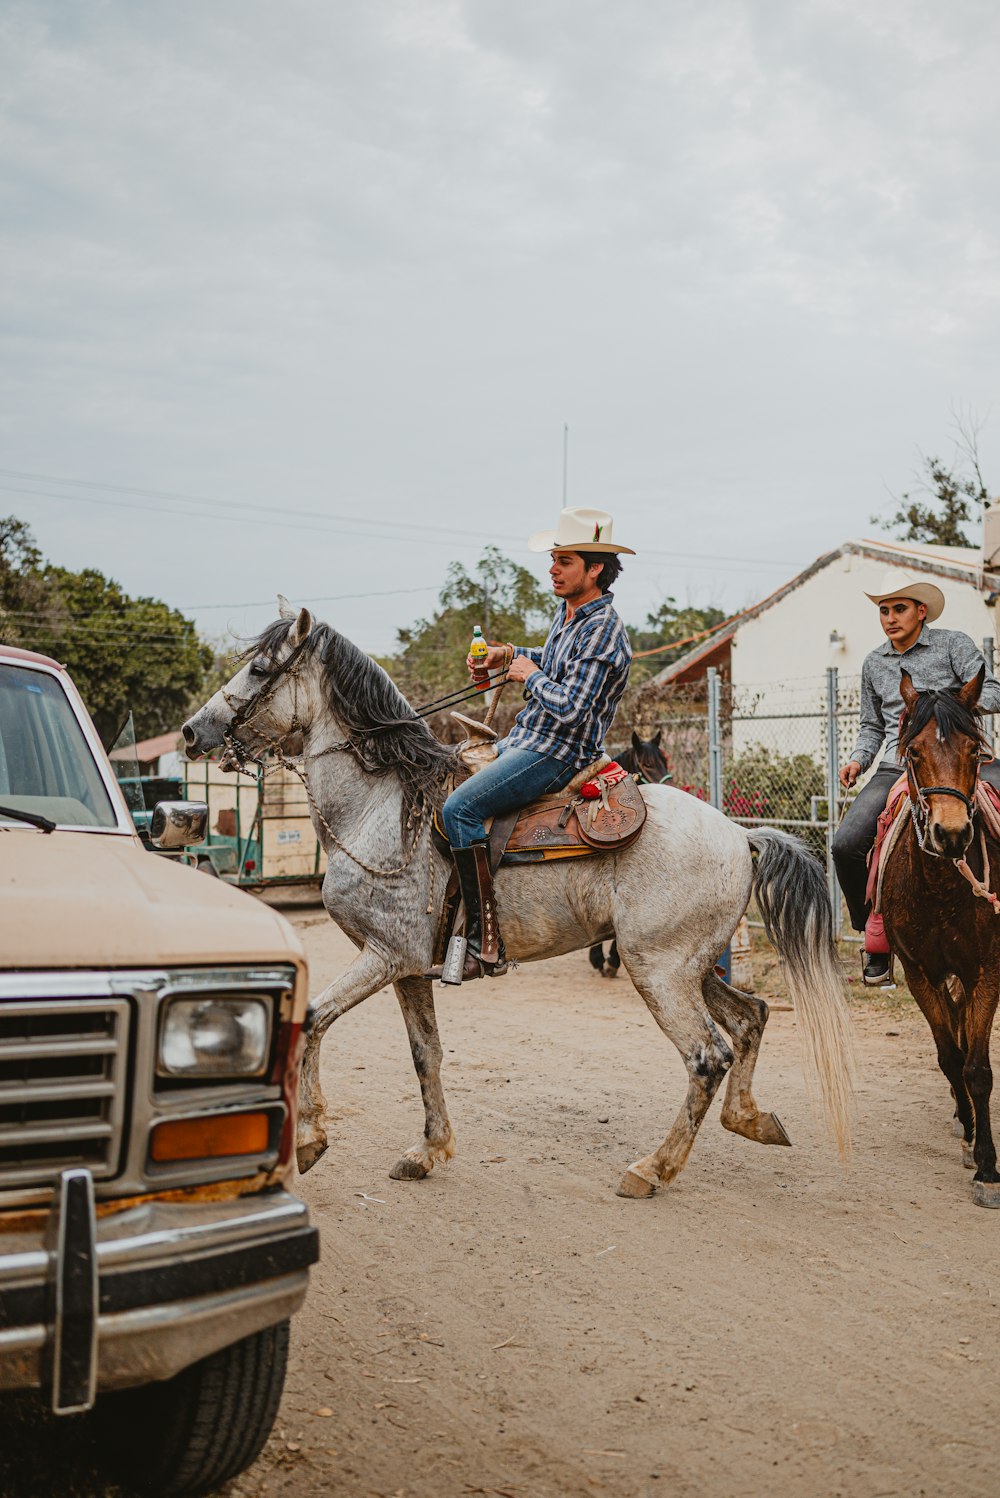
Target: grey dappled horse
{"type": "Point", "coordinates": [672, 900]}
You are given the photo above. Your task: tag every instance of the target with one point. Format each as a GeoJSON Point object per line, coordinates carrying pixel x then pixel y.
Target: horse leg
{"type": "Point", "coordinates": [614, 961]}
{"type": "Point", "coordinates": [979, 1081]}
{"type": "Point", "coordinates": [684, 1019]}
{"type": "Point", "coordinates": [944, 1015]}
{"type": "Point", "coordinates": [368, 973]}
{"type": "Point", "coordinates": [743, 1017]}
{"type": "Point", "coordinates": [596, 955]}
{"type": "Point", "coordinates": [416, 1000]}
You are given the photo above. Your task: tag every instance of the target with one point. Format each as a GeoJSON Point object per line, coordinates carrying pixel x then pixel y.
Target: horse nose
{"type": "Point", "coordinates": [951, 842]}
{"type": "Point", "coordinates": [189, 735]}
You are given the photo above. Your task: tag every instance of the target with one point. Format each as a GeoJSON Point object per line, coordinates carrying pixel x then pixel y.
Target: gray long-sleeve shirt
{"type": "Point", "coordinates": [938, 660]}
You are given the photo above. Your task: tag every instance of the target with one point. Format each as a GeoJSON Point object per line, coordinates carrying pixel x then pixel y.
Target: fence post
{"type": "Point", "coordinates": [989, 656]}
{"type": "Point", "coordinates": [832, 791]}
{"type": "Point", "coordinates": [714, 738]}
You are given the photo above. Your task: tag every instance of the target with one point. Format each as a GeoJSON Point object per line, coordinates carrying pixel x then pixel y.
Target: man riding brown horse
{"type": "Point", "coordinates": [935, 660]}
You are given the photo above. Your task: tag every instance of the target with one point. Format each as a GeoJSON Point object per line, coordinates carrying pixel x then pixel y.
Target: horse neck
{"type": "Point", "coordinates": [344, 793]}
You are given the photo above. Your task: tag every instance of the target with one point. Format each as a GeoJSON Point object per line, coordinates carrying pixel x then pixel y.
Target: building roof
{"type": "Point", "coordinates": [148, 749]}
{"type": "Point", "coordinates": [961, 563]}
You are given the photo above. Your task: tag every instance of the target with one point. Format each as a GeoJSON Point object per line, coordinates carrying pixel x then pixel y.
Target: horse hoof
{"type": "Point", "coordinates": [637, 1186]}
{"type": "Point", "coordinates": [956, 1128]}
{"type": "Point", "coordinates": [986, 1193]}
{"type": "Point", "coordinates": [610, 972]}
{"type": "Point", "coordinates": [307, 1154]}
{"type": "Point", "coordinates": [408, 1169]}
{"type": "Point", "coordinates": [765, 1128]}
{"type": "Point", "coordinates": [968, 1155]}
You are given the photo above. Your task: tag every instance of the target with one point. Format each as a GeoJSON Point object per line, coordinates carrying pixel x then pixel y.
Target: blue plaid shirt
{"type": "Point", "coordinates": [574, 696]}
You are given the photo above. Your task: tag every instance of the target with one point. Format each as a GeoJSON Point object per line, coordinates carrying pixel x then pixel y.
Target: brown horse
{"type": "Point", "coordinates": [947, 939]}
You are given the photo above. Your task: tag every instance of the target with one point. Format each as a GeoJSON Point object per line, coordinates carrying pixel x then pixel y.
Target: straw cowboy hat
{"type": "Point", "coordinates": [899, 584]}
{"type": "Point", "coordinates": [579, 530]}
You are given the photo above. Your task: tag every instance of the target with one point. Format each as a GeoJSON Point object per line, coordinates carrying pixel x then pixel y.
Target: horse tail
{"type": "Point", "coordinates": [794, 903]}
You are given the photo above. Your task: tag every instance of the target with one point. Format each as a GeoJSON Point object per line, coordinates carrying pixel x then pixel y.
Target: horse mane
{"type": "Point", "coordinates": [948, 712]}
{"type": "Point", "coordinates": [381, 727]}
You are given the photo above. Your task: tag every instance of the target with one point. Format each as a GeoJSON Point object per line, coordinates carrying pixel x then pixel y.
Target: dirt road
{"type": "Point", "coordinates": [774, 1323]}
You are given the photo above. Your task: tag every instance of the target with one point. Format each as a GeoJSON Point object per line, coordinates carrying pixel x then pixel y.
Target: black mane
{"type": "Point", "coordinates": [381, 727]}
{"type": "Point", "coordinates": [948, 712]}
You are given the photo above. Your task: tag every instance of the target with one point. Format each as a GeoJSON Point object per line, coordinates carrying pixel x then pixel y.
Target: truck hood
{"type": "Point", "coordinates": [86, 900]}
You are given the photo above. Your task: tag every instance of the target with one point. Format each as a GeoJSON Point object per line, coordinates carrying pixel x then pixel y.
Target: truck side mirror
{"type": "Point", "coordinates": [177, 824]}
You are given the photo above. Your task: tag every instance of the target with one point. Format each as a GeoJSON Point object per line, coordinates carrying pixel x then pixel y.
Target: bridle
{"type": "Point", "coordinates": [919, 794]}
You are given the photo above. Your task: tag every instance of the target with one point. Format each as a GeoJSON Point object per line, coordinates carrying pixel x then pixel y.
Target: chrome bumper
{"type": "Point", "coordinates": [102, 1303]}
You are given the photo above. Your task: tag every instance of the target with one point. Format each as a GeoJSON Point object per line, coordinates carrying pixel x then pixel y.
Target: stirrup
{"type": "Point", "coordinates": [878, 980]}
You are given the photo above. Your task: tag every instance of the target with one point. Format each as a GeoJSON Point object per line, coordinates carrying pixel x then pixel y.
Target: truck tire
{"type": "Point", "coordinates": [190, 1434]}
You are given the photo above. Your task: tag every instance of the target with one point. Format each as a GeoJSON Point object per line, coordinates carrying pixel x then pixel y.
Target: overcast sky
{"type": "Point", "coordinates": [339, 271]}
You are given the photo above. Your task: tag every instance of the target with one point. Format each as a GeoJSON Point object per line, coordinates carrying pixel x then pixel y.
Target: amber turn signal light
{"type": "Point", "coordinates": [205, 1138]}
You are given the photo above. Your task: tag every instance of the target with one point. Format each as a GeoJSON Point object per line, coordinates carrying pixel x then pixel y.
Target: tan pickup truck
{"type": "Point", "coordinates": [150, 1035]}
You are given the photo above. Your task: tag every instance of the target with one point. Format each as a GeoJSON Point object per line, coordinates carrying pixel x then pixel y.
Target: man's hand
{"type": "Point", "coordinates": [849, 774]}
{"type": "Point", "coordinates": [521, 667]}
{"type": "Point", "coordinates": [491, 661]}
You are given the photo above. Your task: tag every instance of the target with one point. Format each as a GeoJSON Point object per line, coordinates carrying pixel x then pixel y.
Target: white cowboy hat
{"type": "Point", "coordinates": [579, 530]}
{"type": "Point", "coordinates": [899, 584]}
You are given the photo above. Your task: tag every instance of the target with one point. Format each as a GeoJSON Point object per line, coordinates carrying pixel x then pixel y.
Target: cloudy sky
{"type": "Point", "coordinates": [300, 295]}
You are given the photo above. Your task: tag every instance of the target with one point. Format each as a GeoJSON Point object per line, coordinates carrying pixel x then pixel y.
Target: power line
{"type": "Point", "coordinates": [317, 517]}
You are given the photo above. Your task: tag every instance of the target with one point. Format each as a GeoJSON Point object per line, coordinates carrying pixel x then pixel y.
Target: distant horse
{"type": "Point", "coordinates": [646, 760]}
{"type": "Point", "coordinates": [373, 771]}
{"type": "Point", "coordinates": [946, 938]}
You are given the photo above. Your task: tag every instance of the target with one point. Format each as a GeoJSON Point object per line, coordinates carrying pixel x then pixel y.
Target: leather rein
{"type": "Point", "coordinates": [919, 795]}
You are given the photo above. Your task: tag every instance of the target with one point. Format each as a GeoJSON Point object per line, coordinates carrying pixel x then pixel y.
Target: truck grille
{"type": "Point", "coordinates": [62, 1087]}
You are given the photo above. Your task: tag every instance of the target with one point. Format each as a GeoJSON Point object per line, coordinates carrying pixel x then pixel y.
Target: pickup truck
{"type": "Point", "coordinates": [151, 1253]}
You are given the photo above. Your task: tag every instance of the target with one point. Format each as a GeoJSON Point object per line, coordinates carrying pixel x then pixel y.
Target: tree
{"type": "Point", "coordinates": [667, 624]}
{"type": "Point", "coordinates": [502, 597]}
{"type": "Point", "coordinates": [21, 588]}
{"type": "Point", "coordinates": [123, 653]}
{"type": "Point", "coordinates": [955, 495]}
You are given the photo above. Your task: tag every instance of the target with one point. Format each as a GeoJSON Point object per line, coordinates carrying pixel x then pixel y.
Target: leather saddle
{"type": "Point", "coordinates": [600, 810]}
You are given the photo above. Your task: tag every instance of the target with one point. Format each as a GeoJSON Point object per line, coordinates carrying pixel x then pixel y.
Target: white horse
{"type": "Point", "coordinates": [672, 900]}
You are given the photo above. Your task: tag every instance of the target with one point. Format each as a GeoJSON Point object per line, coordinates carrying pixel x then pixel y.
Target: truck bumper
{"type": "Point", "coordinates": [92, 1304]}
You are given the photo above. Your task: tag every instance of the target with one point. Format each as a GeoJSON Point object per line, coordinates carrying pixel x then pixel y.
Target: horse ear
{"type": "Point", "coordinates": [968, 695]}
{"type": "Point", "coordinates": [907, 691]}
{"type": "Point", "coordinates": [636, 741]}
{"type": "Point", "coordinates": [285, 610]}
{"type": "Point", "coordinates": [657, 736]}
{"type": "Point", "coordinates": [302, 626]}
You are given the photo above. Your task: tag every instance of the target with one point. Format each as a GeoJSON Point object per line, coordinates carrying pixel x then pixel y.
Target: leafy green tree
{"type": "Point", "coordinates": [503, 598]}
{"type": "Point", "coordinates": [122, 652]}
{"type": "Point", "coordinates": [953, 500]}
{"type": "Point", "coordinates": [21, 586]}
{"type": "Point", "coordinates": [667, 624]}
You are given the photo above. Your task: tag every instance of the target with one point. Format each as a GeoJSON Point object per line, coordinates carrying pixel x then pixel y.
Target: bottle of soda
{"type": "Point", "coordinates": [479, 650]}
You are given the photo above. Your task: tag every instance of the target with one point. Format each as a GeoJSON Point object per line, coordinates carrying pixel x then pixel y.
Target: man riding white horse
{"type": "Point", "coordinates": [935, 660]}
{"type": "Point", "coordinates": [573, 685]}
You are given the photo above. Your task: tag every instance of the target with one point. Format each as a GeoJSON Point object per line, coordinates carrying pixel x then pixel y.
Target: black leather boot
{"type": "Point", "coordinates": [485, 956]}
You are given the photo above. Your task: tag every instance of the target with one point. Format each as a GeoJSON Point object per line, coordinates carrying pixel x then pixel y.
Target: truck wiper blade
{"type": "Point", "coordinates": [28, 816]}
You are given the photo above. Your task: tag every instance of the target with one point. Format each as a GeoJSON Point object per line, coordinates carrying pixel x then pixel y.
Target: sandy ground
{"type": "Point", "coordinates": [772, 1324]}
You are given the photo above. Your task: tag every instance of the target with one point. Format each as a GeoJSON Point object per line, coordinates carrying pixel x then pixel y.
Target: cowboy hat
{"type": "Point", "coordinates": [899, 584]}
{"type": "Point", "coordinates": [579, 530]}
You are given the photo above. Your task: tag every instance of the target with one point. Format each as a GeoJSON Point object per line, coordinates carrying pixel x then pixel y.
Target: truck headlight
{"type": "Point", "coordinates": [215, 1037]}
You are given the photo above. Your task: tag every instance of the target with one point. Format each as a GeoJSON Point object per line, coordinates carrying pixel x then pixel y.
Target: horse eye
{"type": "Point", "coordinates": [257, 670]}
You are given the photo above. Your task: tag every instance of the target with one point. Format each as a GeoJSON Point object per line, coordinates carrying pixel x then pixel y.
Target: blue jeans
{"type": "Point", "coordinates": [511, 781]}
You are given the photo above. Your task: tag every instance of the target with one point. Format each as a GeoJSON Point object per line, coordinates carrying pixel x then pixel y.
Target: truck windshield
{"type": "Point", "coordinates": [46, 764]}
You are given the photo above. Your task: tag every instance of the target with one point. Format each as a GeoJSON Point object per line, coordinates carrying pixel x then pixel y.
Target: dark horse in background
{"type": "Point", "coordinates": [646, 760]}
{"type": "Point", "coordinates": [938, 915]}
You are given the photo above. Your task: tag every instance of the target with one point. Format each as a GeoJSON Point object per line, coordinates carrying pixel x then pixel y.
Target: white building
{"type": "Point", "coordinates": [776, 653]}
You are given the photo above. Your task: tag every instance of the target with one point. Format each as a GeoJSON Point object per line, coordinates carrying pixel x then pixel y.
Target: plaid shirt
{"type": "Point", "coordinates": [584, 667]}
{"type": "Point", "coordinates": [938, 660]}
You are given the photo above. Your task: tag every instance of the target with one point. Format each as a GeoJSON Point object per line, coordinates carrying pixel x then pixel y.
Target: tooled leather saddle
{"type": "Point", "coordinates": [601, 809]}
